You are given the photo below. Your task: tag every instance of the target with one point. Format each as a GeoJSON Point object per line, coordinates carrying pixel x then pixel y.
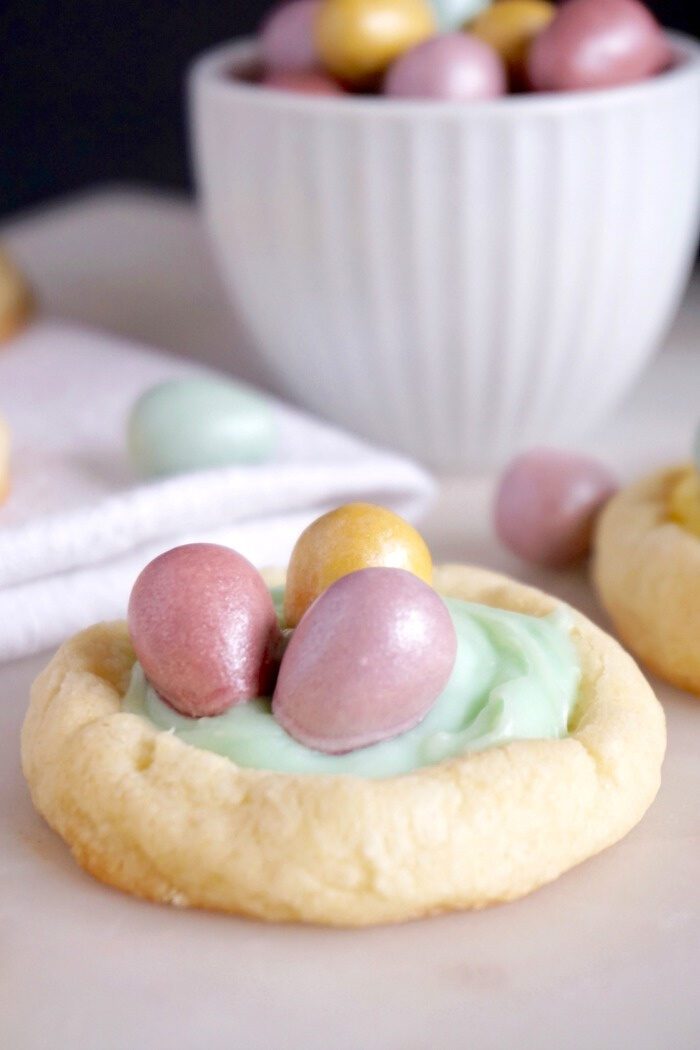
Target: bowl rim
{"type": "Point", "coordinates": [211, 71]}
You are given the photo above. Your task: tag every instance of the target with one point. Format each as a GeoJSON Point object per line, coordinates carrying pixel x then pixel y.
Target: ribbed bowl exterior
{"type": "Point", "coordinates": [456, 282]}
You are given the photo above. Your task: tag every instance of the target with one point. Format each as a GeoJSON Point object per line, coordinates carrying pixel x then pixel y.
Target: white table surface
{"type": "Point", "coordinates": [607, 956]}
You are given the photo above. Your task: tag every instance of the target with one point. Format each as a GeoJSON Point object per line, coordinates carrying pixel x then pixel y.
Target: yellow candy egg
{"type": "Point", "coordinates": [355, 536]}
{"type": "Point", "coordinates": [684, 501]}
{"type": "Point", "coordinates": [358, 39]}
{"type": "Point", "coordinates": [4, 459]}
{"type": "Point", "coordinates": [510, 26]}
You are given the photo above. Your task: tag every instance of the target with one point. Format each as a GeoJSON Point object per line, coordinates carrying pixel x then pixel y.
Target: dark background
{"type": "Point", "coordinates": [92, 91]}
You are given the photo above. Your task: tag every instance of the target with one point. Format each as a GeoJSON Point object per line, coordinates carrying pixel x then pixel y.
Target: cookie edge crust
{"type": "Point", "coordinates": [646, 570]}
{"type": "Point", "coordinates": [156, 817]}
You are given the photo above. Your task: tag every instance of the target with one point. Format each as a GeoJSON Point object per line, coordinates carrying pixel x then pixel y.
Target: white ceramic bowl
{"type": "Point", "coordinates": [456, 281]}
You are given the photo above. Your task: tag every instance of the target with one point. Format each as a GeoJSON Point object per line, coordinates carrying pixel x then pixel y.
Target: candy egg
{"type": "Point", "coordinates": [358, 39]}
{"type": "Point", "coordinates": [4, 460]}
{"type": "Point", "coordinates": [310, 83]}
{"type": "Point", "coordinates": [509, 27]}
{"type": "Point", "coordinates": [351, 537]}
{"type": "Point", "coordinates": [287, 37]}
{"type": "Point", "coordinates": [454, 66]}
{"type": "Point", "coordinates": [546, 505]}
{"type": "Point", "coordinates": [367, 662]}
{"type": "Point", "coordinates": [204, 628]}
{"type": "Point", "coordinates": [684, 501]}
{"type": "Point", "coordinates": [597, 44]}
{"type": "Point", "coordinates": [192, 424]}
{"type": "Point", "coordinates": [452, 14]}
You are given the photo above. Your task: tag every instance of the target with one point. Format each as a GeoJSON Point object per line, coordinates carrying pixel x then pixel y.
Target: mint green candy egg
{"type": "Point", "coordinates": [454, 14]}
{"type": "Point", "coordinates": [194, 424]}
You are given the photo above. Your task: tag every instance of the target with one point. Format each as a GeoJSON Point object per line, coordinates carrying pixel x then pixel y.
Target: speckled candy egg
{"type": "Point", "coordinates": [509, 27]}
{"type": "Point", "coordinates": [453, 14]}
{"type": "Point", "coordinates": [310, 83]}
{"type": "Point", "coordinates": [287, 37]}
{"type": "Point", "coordinates": [204, 628]}
{"type": "Point", "coordinates": [546, 505]}
{"type": "Point", "coordinates": [193, 424]}
{"type": "Point", "coordinates": [358, 39]}
{"type": "Point", "coordinates": [454, 66]}
{"type": "Point", "coordinates": [351, 537]}
{"type": "Point", "coordinates": [367, 662]}
{"type": "Point", "coordinates": [597, 44]}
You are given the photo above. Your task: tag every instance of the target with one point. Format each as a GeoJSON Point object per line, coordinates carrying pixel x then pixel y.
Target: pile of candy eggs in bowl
{"type": "Point", "coordinates": [364, 648]}
{"type": "Point", "coordinates": [458, 50]}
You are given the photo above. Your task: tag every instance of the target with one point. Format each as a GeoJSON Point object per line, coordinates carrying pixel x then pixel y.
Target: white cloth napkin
{"type": "Point", "coordinates": [78, 526]}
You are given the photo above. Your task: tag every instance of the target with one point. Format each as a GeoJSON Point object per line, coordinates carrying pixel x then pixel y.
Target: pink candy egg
{"type": "Point", "coordinates": [455, 67]}
{"type": "Point", "coordinates": [367, 661]}
{"type": "Point", "coordinates": [597, 44]}
{"type": "Point", "coordinates": [204, 628]}
{"type": "Point", "coordinates": [309, 83]}
{"type": "Point", "coordinates": [546, 504]}
{"type": "Point", "coordinates": [287, 37]}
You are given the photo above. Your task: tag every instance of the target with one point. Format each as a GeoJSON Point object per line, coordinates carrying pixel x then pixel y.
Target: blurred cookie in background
{"type": "Point", "coordinates": [16, 298]}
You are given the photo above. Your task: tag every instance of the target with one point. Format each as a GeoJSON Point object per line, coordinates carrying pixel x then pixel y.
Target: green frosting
{"type": "Point", "coordinates": [516, 677]}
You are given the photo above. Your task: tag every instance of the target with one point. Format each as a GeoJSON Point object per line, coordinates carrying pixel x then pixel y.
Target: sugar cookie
{"type": "Point", "coordinates": [16, 299]}
{"type": "Point", "coordinates": [647, 572]}
{"type": "Point", "coordinates": [157, 817]}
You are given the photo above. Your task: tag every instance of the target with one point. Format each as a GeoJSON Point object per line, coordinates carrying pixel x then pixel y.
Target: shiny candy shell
{"type": "Point", "coordinates": [367, 662]}
{"type": "Point", "coordinates": [287, 37]}
{"type": "Point", "coordinates": [597, 44]}
{"type": "Point", "coordinates": [352, 537]}
{"type": "Point", "coordinates": [684, 500]}
{"type": "Point", "coordinates": [455, 67]}
{"type": "Point", "coordinates": [204, 628]}
{"type": "Point", "coordinates": [546, 505]}
{"type": "Point", "coordinates": [193, 424]}
{"type": "Point", "coordinates": [452, 14]}
{"type": "Point", "coordinates": [510, 26]}
{"type": "Point", "coordinates": [358, 39]}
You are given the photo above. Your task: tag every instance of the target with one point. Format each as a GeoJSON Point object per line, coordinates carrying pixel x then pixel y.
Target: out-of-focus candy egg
{"type": "Point", "coordinates": [597, 44]}
{"type": "Point", "coordinates": [193, 424]}
{"type": "Point", "coordinates": [4, 460]}
{"type": "Point", "coordinates": [204, 628]}
{"type": "Point", "coordinates": [510, 26]}
{"type": "Point", "coordinates": [354, 536]}
{"type": "Point", "coordinates": [358, 39]}
{"type": "Point", "coordinates": [452, 14]}
{"type": "Point", "coordinates": [366, 663]}
{"type": "Point", "coordinates": [310, 83]}
{"type": "Point", "coordinates": [546, 505]}
{"type": "Point", "coordinates": [287, 37]}
{"type": "Point", "coordinates": [454, 66]}
{"type": "Point", "coordinates": [684, 501]}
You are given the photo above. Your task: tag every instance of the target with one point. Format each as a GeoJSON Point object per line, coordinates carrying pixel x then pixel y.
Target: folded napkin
{"type": "Point", "coordinates": [78, 525]}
